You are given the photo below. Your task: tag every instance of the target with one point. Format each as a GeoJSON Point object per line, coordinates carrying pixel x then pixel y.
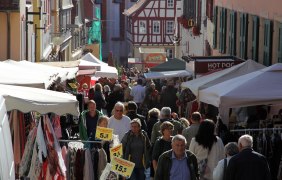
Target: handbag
{"type": "Point", "coordinates": [203, 166]}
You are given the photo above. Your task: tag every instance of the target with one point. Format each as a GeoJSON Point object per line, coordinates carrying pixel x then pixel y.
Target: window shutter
{"type": "Point", "coordinates": [267, 43]}
{"type": "Point", "coordinates": [243, 35]}
{"type": "Point", "coordinates": [280, 43]}
{"type": "Point", "coordinates": [255, 38]}
{"type": "Point", "coordinates": [215, 26]}
{"type": "Point", "coordinates": [232, 34]}
{"type": "Point", "coordinates": [224, 30]}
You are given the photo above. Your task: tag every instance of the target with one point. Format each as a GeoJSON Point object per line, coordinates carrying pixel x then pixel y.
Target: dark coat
{"type": "Point", "coordinates": [248, 165]}
{"type": "Point", "coordinates": [128, 139]}
{"type": "Point", "coordinates": [132, 115]}
{"type": "Point", "coordinates": [165, 163]}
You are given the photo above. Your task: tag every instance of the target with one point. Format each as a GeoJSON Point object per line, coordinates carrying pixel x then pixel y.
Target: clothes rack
{"type": "Point", "coordinates": [82, 141]}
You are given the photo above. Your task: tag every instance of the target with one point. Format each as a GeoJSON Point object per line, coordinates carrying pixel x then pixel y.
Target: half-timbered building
{"type": "Point", "coordinates": [152, 25]}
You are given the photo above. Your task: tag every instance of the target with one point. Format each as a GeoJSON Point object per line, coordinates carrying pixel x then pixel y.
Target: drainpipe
{"type": "Point", "coordinates": [8, 35]}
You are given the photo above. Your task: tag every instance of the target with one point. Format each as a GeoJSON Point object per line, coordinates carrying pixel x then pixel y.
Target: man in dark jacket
{"type": "Point", "coordinates": [247, 164]}
{"type": "Point", "coordinates": [178, 163]}
{"type": "Point", "coordinates": [132, 114]}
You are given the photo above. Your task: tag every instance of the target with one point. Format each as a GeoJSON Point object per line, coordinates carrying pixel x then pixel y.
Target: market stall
{"type": "Point", "coordinates": [256, 88]}
{"type": "Point", "coordinates": [105, 70]}
{"type": "Point", "coordinates": [220, 76]}
{"type": "Point", "coordinates": [167, 74]}
{"type": "Point", "coordinates": [32, 74]}
{"type": "Point", "coordinates": [28, 99]}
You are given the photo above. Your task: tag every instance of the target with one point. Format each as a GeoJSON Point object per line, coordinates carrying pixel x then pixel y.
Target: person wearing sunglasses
{"type": "Point", "coordinates": [119, 122]}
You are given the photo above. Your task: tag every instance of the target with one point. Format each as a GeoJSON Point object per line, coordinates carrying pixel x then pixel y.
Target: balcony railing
{"type": "Point", "coordinates": [9, 5]}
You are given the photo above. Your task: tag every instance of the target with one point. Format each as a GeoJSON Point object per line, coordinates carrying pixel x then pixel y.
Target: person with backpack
{"type": "Point", "coordinates": [163, 143]}
{"type": "Point", "coordinates": [219, 171]}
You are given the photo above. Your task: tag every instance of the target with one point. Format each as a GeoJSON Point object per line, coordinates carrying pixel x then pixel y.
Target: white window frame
{"type": "Point", "coordinates": [170, 27]}
{"type": "Point", "coordinates": [142, 27]}
{"type": "Point", "coordinates": [156, 27]}
{"type": "Point", "coordinates": [170, 3]}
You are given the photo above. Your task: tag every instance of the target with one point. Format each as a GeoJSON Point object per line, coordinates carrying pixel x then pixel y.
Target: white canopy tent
{"type": "Point", "coordinates": [167, 74]}
{"type": "Point", "coordinates": [24, 73]}
{"type": "Point", "coordinates": [262, 87]}
{"type": "Point", "coordinates": [209, 80]}
{"type": "Point", "coordinates": [57, 72]}
{"type": "Point", "coordinates": [105, 70]}
{"type": "Point", "coordinates": [28, 99]}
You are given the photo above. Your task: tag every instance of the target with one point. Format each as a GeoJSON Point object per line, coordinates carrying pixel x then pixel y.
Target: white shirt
{"type": "Point", "coordinates": [215, 154]}
{"type": "Point", "coordinates": [138, 93]}
{"type": "Point", "coordinates": [120, 127]}
{"type": "Point", "coordinates": [218, 170]}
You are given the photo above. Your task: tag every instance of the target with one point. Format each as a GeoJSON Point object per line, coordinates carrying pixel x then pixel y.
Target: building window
{"type": "Point", "coordinates": [142, 27]}
{"type": "Point", "coordinates": [170, 3]}
{"type": "Point", "coordinates": [156, 27]}
{"type": "Point", "coordinates": [169, 53]}
{"type": "Point", "coordinates": [267, 43]}
{"type": "Point", "coordinates": [98, 1]}
{"type": "Point", "coordinates": [169, 27]}
{"type": "Point", "coordinates": [117, 1]}
{"type": "Point", "coordinates": [232, 34]}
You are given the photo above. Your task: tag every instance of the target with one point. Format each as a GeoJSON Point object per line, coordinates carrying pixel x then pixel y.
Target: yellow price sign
{"type": "Point", "coordinates": [116, 151]}
{"type": "Point", "coordinates": [73, 85]}
{"type": "Point", "coordinates": [105, 134]}
{"type": "Point", "coordinates": [122, 166]}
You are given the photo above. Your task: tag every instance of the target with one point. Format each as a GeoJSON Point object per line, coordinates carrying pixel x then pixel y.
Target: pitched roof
{"type": "Point", "coordinates": [134, 8]}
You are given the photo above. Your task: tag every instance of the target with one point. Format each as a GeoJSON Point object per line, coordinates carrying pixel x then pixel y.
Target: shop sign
{"type": "Point", "coordinates": [155, 58]}
{"type": "Point", "coordinates": [202, 67]}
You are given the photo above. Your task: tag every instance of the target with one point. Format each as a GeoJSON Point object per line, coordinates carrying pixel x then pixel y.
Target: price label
{"type": "Point", "coordinates": [122, 166]}
{"type": "Point", "coordinates": [73, 85]}
{"type": "Point", "coordinates": [105, 134]}
{"type": "Point", "coordinates": [116, 151]}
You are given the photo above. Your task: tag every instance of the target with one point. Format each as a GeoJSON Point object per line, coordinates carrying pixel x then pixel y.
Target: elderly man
{"type": "Point", "coordinates": [247, 164]}
{"type": "Point", "coordinates": [88, 122]}
{"type": "Point", "coordinates": [219, 172]}
{"type": "Point", "coordinates": [119, 122]}
{"type": "Point", "coordinates": [178, 163]}
{"type": "Point", "coordinates": [165, 116]}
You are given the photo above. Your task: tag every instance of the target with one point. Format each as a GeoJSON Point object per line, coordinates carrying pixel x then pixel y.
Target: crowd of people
{"type": "Point", "coordinates": [163, 144]}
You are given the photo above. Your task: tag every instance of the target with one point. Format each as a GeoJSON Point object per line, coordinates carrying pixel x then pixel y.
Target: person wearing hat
{"type": "Point", "coordinates": [136, 148]}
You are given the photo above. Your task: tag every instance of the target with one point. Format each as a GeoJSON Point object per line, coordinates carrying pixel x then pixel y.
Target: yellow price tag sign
{"type": "Point", "coordinates": [73, 85]}
{"type": "Point", "coordinates": [116, 151]}
{"type": "Point", "coordinates": [105, 134]}
{"type": "Point", "coordinates": [122, 166]}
